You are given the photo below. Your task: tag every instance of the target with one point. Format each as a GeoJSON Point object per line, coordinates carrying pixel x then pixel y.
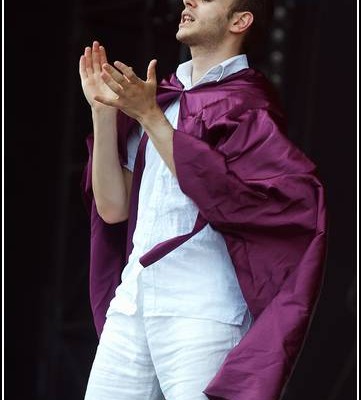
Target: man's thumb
{"type": "Point", "coordinates": [151, 74]}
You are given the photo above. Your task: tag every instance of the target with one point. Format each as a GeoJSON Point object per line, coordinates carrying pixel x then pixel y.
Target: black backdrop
{"type": "Point", "coordinates": [49, 336]}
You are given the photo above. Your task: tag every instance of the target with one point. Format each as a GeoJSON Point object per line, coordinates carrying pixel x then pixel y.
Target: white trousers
{"type": "Point", "coordinates": [157, 358]}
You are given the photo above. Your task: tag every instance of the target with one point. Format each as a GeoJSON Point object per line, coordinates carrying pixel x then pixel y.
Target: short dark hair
{"type": "Point", "coordinates": [262, 11]}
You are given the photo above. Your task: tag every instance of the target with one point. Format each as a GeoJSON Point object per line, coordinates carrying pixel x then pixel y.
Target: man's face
{"type": "Point", "coordinates": [204, 22]}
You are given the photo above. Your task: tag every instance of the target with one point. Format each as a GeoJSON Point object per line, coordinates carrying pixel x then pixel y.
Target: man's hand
{"type": "Point", "coordinates": [90, 71]}
{"type": "Point", "coordinates": [135, 97]}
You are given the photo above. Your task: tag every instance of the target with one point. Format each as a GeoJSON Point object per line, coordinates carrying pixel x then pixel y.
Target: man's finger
{"type": "Point", "coordinates": [103, 55]}
{"type": "Point", "coordinates": [82, 68]}
{"type": "Point", "coordinates": [106, 101]}
{"type": "Point", "coordinates": [151, 73]}
{"type": "Point", "coordinates": [116, 75]}
{"type": "Point", "coordinates": [88, 61]}
{"type": "Point", "coordinates": [127, 72]}
{"type": "Point", "coordinates": [113, 84]}
{"type": "Point", "coordinates": [96, 57]}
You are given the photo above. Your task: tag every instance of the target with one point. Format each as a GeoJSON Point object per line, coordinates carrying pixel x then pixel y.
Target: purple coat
{"type": "Point", "coordinates": [253, 185]}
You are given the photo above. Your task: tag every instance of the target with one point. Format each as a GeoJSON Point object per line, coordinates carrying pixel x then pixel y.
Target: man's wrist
{"type": "Point", "coordinates": [104, 122]}
{"type": "Point", "coordinates": [154, 120]}
{"type": "Point", "coordinates": [101, 113]}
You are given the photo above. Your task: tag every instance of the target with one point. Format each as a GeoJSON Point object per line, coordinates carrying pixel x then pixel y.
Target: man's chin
{"type": "Point", "coordinates": [179, 35]}
{"type": "Point", "coordinates": [182, 37]}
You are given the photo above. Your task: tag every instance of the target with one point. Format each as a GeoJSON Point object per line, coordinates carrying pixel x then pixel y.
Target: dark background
{"type": "Point", "coordinates": [49, 336]}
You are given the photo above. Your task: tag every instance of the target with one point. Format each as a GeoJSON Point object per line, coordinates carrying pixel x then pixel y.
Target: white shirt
{"type": "Point", "coordinates": [197, 279]}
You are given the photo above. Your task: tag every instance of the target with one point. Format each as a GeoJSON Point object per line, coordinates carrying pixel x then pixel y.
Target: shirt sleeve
{"type": "Point", "coordinates": [132, 147]}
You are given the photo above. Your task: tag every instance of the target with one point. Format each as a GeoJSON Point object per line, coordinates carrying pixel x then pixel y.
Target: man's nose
{"type": "Point", "coordinates": [190, 3]}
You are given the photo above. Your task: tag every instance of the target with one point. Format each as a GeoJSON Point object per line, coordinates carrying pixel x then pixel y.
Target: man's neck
{"type": "Point", "coordinates": [203, 60]}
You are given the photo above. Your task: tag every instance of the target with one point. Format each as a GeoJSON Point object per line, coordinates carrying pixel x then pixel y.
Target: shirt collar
{"type": "Point", "coordinates": [216, 73]}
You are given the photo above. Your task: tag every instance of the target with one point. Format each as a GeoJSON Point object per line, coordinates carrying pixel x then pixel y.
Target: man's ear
{"type": "Point", "coordinates": [241, 21]}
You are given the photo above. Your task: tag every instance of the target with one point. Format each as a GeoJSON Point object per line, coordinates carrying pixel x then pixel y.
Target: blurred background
{"type": "Point", "coordinates": [310, 56]}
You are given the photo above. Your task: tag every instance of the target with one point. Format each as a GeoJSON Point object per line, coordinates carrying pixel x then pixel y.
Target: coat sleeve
{"type": "Point", "coordinates": [254, 178]}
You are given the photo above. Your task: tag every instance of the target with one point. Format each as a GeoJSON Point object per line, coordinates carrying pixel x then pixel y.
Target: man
{"type": "Point", "coordinates": [224, 220]}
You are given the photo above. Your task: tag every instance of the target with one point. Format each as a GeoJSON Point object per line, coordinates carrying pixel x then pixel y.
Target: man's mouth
{"type": "Point", "coordinates": [186, 18]}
